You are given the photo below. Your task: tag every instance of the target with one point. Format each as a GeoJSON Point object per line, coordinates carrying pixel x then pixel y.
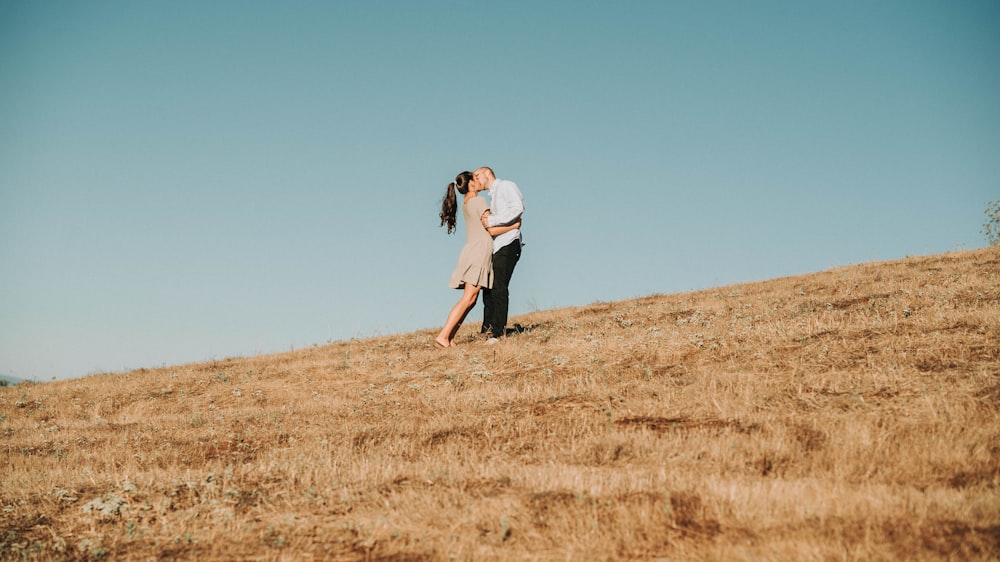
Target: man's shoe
{"type": "Point", "coordinates": [491, 341]}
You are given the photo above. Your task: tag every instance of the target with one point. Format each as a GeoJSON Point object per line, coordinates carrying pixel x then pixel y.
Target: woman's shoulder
{"type": "Point", "coordinates": [477, 204]}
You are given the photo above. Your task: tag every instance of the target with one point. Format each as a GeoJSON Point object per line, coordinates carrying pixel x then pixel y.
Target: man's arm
{"type": "Point", "coordinates": [506, 205]}
{"type": "Point", "coordinates": [498, 230]}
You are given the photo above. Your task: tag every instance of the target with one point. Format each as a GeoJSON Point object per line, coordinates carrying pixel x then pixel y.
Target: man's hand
{"type": "Point", "coordinates": [485, 219]}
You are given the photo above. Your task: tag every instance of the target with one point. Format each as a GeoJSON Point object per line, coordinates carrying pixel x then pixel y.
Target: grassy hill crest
{"type": "Point", "coordinates": [852, 413]}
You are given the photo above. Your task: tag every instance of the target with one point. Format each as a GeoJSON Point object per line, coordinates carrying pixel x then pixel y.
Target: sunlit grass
{"type": "Point", "coordinates": [852, 414]}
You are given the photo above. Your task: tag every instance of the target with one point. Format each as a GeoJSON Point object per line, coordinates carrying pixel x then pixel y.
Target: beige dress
{"type": "Point", "coordinates": [475, 263]}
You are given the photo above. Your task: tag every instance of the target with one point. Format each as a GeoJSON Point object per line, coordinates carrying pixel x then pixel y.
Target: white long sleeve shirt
{"type": "Point", "coordinates": [506, 206]}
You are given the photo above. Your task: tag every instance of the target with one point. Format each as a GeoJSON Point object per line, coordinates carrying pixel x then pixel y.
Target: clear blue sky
{"type": "Point", "coordinates": [183, 181]}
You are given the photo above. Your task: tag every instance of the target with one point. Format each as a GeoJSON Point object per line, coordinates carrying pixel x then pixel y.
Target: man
{"type": "Point", "coordinates": [506, 207]}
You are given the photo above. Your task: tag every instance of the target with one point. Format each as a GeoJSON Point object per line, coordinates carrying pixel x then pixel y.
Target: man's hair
{"type": "Point", "coordinates": [488, 168]}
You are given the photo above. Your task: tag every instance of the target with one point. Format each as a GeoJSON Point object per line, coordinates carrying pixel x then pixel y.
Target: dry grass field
{"type": "Point", "coordinates": [851, 414]}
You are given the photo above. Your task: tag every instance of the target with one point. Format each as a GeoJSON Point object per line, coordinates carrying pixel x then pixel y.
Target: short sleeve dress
{"type": "Point", "coordinates": [475, 263]}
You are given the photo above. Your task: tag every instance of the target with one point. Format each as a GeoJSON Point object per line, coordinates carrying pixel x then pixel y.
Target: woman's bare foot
{"type": "Point", "coordinates": [442, 344]}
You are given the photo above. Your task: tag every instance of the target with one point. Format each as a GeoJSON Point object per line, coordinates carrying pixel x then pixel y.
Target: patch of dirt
{"type": "Point", "coordinates": [486, 487]}
{"type": "Point", "coordinates": [674, 316]}
{"type": "Point", "coordinates": [954, 537]}
{"type": "Point", "coordinates": [970, 479]}
{"type": "Point", "coordinates": [445, 435]}
{"type": "Point", "coordinates": [368, 437]}
{"type": "Point", "coordinates": [851, 303]}
{"type": "Point", "coordinates": [810, 439]}
{"type": "Point", "coordinates": [690, 514]}
{"type": "Point", "coordinates": [682, 423]}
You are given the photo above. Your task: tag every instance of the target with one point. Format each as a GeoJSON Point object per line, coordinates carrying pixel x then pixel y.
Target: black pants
{"type": "Point", "coordinates": [497, 299]}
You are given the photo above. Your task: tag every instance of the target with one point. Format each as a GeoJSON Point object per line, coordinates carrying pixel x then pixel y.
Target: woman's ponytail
{"type": "Point", "coordinates": [449, 207]}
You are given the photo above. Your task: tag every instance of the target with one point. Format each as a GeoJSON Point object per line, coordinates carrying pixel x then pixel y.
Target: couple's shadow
{"type": "Point", "coordinates": [511, 331]}
{"type": "Point", "coordinates": [519, 329]}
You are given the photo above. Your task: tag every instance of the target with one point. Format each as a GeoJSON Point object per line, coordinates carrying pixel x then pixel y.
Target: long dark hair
{"type": "Point", "coordinates": [449, 205]}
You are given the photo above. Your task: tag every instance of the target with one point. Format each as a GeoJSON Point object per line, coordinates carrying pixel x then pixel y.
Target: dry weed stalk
{"type": "Point", "coordinates": [850, 414]}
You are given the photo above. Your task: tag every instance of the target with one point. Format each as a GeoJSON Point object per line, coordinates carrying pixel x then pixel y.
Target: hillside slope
{"type": "Point", "coordinates": [851, 414]}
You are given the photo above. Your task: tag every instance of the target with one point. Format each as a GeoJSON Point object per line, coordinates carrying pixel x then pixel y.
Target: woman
{"type": "Point", "coordinates": [475, 262]}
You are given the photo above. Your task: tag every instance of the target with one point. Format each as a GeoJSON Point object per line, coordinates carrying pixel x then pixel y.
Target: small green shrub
{"type": "Point", "coordinates": [991, 228]}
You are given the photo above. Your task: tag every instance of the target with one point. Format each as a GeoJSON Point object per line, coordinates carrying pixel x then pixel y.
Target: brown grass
{"type": "Point", "coordinates": [852, 414]}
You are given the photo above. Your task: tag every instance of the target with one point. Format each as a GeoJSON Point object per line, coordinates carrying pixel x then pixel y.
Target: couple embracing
{"type": "Point", "coordinates": [492, 249]}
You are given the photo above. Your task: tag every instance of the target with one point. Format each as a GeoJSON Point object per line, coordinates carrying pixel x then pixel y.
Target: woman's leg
{"type": "Point", "coordinates": [457, 315]}
{"type": "Point", "coordinates": [454, 331]}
